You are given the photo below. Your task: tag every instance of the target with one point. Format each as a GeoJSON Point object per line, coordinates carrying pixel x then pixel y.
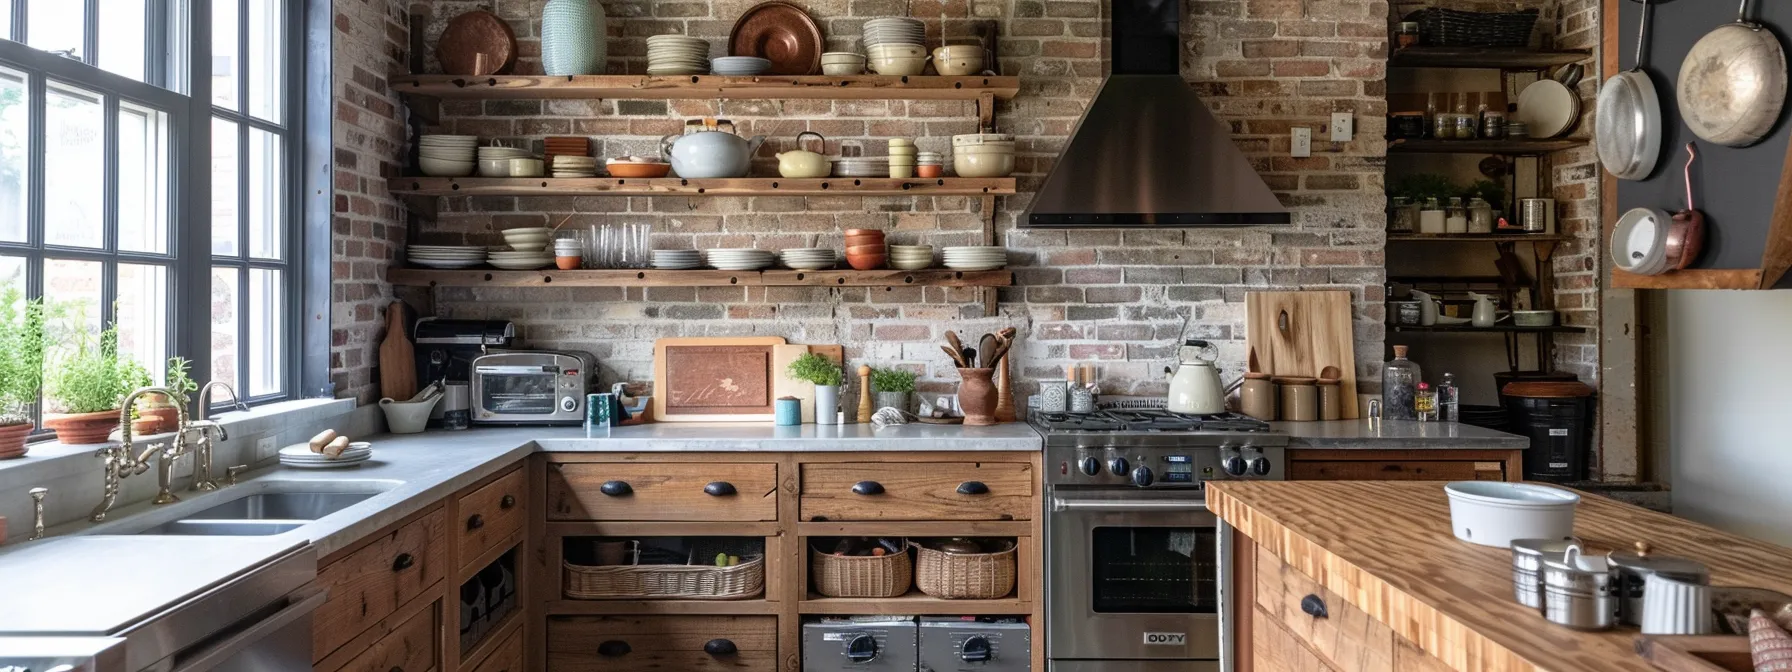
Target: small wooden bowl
{"type": "Point", "coordinates": [865, 262]}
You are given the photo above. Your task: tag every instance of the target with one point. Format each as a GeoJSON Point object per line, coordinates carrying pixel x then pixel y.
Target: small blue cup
{"type": "Point", "coordinates": [788, 412]}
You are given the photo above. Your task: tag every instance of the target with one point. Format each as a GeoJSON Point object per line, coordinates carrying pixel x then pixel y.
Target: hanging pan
{"type": "Point", "coordinates": [1628, 126]}
{"type": "Point", "coordinates": [1733, 83]}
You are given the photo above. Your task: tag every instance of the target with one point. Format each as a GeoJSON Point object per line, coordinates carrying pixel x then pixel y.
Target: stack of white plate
{"type": "Point", "coordinates": [447, 155]}
{"type": "Point", "coordinates": [976, 257]}
{"type": "Point", "coordinates": [445, 256]}
{"type": "Point", "coordinates": [574, 166]}
{"type": "Point", "coordinates": [677, 260]}
{"type": "Point", "coordinates": [528, 239]}
{"type": "Point", "coordinates": [894, 30]}
{"type": "Point", "coordinates": [301, 457]}
{"type": "Point", "coordinates": [739, 66]}
{"type": "Point", "coordinates": [809, 258]}
{"type": "Point", "coordinates": [495, 161]}
{"type": "Point", "coordinates": [677, 55]}
{"type": "Point", "coordinates": [520, 260]}
{"type": "Point", "coordinates": [911, 257]}
{"type": "Point", "coordinates": [739, 259]}
{"type": "Point", "coordinates": [863, 167]}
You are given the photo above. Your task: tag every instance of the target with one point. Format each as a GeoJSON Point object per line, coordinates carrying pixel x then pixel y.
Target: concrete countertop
{"type": "Point", "coordinates": [1396, 435]}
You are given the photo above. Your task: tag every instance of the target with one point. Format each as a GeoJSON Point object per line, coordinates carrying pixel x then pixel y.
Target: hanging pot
{"type": "Point", "coordinates": [1733, 83]}
{"type": "Point", "coordinates": [1628, 124]}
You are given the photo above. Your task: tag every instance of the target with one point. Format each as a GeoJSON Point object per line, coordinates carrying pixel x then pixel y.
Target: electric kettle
{"type": "Point", "coordinates": [1195, 385]}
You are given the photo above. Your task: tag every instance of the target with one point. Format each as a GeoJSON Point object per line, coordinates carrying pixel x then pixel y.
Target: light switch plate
{"type": "Point", "coordinates": [1343, 127]}
{"type": "Point", "coordinates": [1302, 146]}
{"type": "Point", "coordinates": [264, 448]}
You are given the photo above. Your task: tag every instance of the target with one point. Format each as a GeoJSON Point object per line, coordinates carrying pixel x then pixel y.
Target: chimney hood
{"type": "Point", "coordinates": [1147, 152]}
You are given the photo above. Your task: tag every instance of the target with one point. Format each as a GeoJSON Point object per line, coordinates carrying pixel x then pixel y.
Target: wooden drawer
{"type": "Point", "coordinates": [627, 643]}
{"type": "Point", "coordinates": [410, 647]}
{"type": "Point", "coordinates": [369, 584]}
{"type": "Point", "coordinates": [666, 491]}
{"type": "Point", "coordinates": [1405, 470]}
{"type": "Point", "coordinates": [1275, 649]}
{"type": "Point", "coordinates": [489, 515]}
{"type": "Point", "coordinates": [918, 491]}
{"type": "Point", "coordinates": [1346, 638]}
{"type": "Point", "coordinates": [507, 658]}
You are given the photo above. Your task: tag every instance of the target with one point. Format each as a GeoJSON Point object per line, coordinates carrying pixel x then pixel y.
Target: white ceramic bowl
{"type": "Point", "coordinates": [527, 168]}
{"type": "Point", "coordinates": [842, 69]}
{"type": "Point", "coordinates": [441, 168]}
{"type": "Point", "coordinates": [407, 417]}
{"type": "Point", "coordinates": [983, 165]}
{"type": "Point", "coordinates": [494, 167]}
{"type": "Point", "coordinates": [1493, 513]}
{"type": "Point", "coordinates": [896, 50]}
{"type": "Point", "coordinates": [898, 65]}
{"type": "Point", "coordinates": [959, 67]}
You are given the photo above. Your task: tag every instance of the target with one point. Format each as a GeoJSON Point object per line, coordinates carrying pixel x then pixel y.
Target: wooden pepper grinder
{"type": "Point", "coordinates": [864, 393]}
{"type": "Point", "coordinates": [1004, 391]}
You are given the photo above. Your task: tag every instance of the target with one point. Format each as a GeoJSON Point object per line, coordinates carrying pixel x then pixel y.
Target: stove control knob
{"type": "Point", "coordinates": [1256, 462]}
{"type": "Point", "coordinates": [976, 649]}
{"type": "Point", "coordinates": [1232, 462]}
{"type": "Point", "coordinates": [1089, 465]}
{"type": "Point", "coordinates": [1118, 466]}
{"type": "Point", "coordinates": [1142, 476]}
{"type": "Point", "coordinates": [861, 649]}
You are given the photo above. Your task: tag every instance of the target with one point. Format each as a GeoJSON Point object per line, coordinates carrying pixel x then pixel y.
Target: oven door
{"type": "Point", "coordinates": [516, 392]}
{"type": "Point", "coordinates": [1132, 575]}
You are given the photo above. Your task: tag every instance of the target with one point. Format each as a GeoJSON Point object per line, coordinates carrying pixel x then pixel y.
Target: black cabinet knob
{"type": "Point", "coordinates": [616, 488]}
{"type": "Point", "coordinates": [719, 489]}
{"type": "Point", "coordinates": [475, 522]}
{"type": "Point", "coordinates": [1314, 606]}
{"type": "Point", "coordinates": [403, 562]}
{"type": "Point", "coordinates": [613, 649]}
{"type": "Point", "coordinates": [973, 488]}
{"type": "Point", "coordinates": [720, 647]}
{"type": "Point", "coordinates": [868, 488]}
{"type": "Point", "coordinates": [508, 502]}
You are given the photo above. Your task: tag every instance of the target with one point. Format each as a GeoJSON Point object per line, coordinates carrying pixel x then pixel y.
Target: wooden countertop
{"type": "Point", "coordinates": [1386, 547]}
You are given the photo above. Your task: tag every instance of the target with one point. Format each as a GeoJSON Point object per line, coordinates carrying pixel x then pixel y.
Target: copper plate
{"type": "Point", "coordinates": [781, 33]}
{"type": "Point", "coordinates": [477, 43]}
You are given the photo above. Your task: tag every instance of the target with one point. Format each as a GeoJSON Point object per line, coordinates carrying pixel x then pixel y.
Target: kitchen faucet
{"type": "Point", "coordinates": [202, 447]}
{"type": "Point", "coordinates": [121, 464]}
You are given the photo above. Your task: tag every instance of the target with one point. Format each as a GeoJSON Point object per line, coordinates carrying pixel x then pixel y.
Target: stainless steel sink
{"type": "Point", "coordinates": [224, 528]}
{"type": "Point", "coordinates": [286, 506]}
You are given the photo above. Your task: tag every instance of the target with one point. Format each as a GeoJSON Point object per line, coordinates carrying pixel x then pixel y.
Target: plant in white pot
{"type": "Point", "coordinates": [892, 387]}
{"type": "Point", "coordinates": [88, 385]}
{"type": "Point", "coordinates": [826, 376]}
{"type": "Point", "coordinates": [21, 368]}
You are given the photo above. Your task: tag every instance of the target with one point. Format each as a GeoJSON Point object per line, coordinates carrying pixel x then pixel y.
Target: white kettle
{"type": "Point", "coordinates": [1195, 385]}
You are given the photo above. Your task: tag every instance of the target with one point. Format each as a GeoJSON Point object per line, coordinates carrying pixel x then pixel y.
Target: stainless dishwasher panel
{"type": "Point", "coordinates": [193, 626]}
{"type": "Point", "coordinates": [279, 642]}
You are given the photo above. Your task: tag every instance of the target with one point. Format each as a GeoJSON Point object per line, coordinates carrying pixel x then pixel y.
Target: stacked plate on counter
{"type": "Point", "coordinates": [447, 155]}
{"type": "Point", "coordinates": [301, 457]}
{"type": "Point", "coordinates": [809, 258]}
{"type": "Point", "coordinates": [677, 55]}
{"type": "Point", "coordinates": [574, 166]}
{"type": "Point", "coordinates": [739, 66]}
{"type": "Point", "coordinates": [677, 260]}
{"type": "Point", "coordinates": [445, 256]}
{"type": "Point", "coordinates": [739, 259]}
{"type": "Point", "coordinates": [976, 257]}
{"type": "Point", "coordinates": [911, 257]}
{"type": "Point", "coordinates": [862, 167]}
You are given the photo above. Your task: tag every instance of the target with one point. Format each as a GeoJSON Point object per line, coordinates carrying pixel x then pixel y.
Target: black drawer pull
{"type": "Point", "coordinates": [868, 488]}
{"type": "Point", "coordinates": [616, 489]}
{"type": "Point", "coordinates": [973, 488]}
{"type": "Point", "coordinates": [475, 522]}
{"type": "Point", "coordinates": [613, 649]}
{"type": "Point", "coordinates": [719, 489]}
{"type": "Point", "coordinates": [720, 647]}
{"type": "Point", "coordinates": [1314, 606]}
{"type": "Point", "coordinates": [508, 502]}
{"type": "Point", "coordinates": [403, 562]}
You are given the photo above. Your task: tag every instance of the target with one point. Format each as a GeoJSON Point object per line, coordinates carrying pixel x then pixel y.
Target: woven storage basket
{"type": "Point", "coordinates": [1442, 27]}
{"type": "Point", "coordinates": [861, 576]}
{"type": "Point", "coordinates": [965, 576]}
{"type": "Point", "coordinates": [665, 582]}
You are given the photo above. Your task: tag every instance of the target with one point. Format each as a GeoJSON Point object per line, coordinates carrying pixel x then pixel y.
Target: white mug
{"type": "Point", "coordinates": [1676, 607]}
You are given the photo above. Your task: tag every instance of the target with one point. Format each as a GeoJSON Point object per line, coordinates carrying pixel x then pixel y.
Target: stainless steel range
{"type": "Point", "coordinates": [1136, 579]}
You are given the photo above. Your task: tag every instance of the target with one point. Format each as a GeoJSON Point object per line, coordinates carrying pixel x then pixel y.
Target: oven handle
{"type": "Point", "coordinates": [1062, 504]}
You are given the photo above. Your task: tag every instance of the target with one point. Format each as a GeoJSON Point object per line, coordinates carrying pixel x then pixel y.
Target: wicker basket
{"type": "Point", "coordinates": [1440, 27]}
{"type": "Point", "coordinates": [965, 576]}
{"type": "Point", "coordinates": [666, 582]}
{"type": "Point", "coordinates": [861, 576]}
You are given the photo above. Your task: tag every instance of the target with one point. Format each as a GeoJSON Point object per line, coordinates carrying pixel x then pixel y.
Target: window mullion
{"type": "Point", "coordinates": [90, 34]}
{"type": "Point", "coordinates": [38, 125]}
{"type": "Point", "coordinates": [191, 275]}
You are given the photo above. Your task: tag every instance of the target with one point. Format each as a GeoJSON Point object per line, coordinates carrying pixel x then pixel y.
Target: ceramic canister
{"type": "Point", "coordinates": [1054, 397]}
{"type": "Point", "coordinates": [573, 37]}
{"type": "Point", "coordinates": [1673, 607]}
{"type": "Point", "coordinates": [787, 411]}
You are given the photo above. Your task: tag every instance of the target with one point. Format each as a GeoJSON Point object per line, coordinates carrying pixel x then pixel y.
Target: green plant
{"type": "Point", "coordinates": [892, 380]}
{"type": "Point", "coordinates": [21, 355]}
{"type": "Point", "coordinates": [816, 369]}
{"type": "Point", "coordinates": [179, 381]}
{"type": "Point", "coordinates": [1487, 190]}
{"type": "Point", "coordinates": [1421, 186]}
{"type": "Point", "coordinates": [93, 377]}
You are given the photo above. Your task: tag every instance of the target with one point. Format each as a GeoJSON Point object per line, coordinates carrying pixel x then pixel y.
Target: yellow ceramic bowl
{"type": "Point", "coordinates": [898, 65]}
{"type": "Point", "coordinates": [889, 50]}
{"type": "Point", "coordinates": [983, 165]}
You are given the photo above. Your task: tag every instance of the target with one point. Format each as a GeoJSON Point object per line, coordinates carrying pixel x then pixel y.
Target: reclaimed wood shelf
{"type": "Point", "coordinates": [570, 607]}
{"type": "Point", "coordinates": [1495, 329]}
{"type": "Point", "coordinates": [915, 602]}
{"type": "Point", "coordinates": [1476, 238]}
{"type": "Point", "coordinates": [707, 87]}
{"type": "Point", "coordinates": [1508, 147]}
{"type": "Point", "coordinates": [1498, 58]}
{"type": "Point", "coordinates": [674, 186]}
{"type": "Point", "coordinates": [417, 277]}
{"type": "Point", "coordinates": [1697, 278]}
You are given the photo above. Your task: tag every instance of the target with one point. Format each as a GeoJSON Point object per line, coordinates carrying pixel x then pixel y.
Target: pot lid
{"type": "Point", "coordinates": [1642, 560]}
{"type": "Point", "coordinates": [1543, 547]}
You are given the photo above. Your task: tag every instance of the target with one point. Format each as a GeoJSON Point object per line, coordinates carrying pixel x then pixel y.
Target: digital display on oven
{"type": "Point", "coordinates": [1178, 469]}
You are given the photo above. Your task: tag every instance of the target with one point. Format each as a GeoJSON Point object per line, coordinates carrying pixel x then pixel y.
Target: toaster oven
{"type": "Point", "coordinates": [538, 387]}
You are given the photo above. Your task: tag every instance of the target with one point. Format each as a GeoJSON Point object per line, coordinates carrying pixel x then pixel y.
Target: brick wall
{"type": "Point", "coordinates": [1575, 175]}
{"type": "Point", "coordinates": [1123, 299]}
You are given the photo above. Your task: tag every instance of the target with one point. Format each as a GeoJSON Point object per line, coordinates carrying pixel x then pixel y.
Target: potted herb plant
{"type": "Point", "coordinates": [892, 387]}
{"type": "Point", "coordinates": [156, 413]}
{"type": "Point", "coordinates": [88, 385]}
{"type": "Point", "coordinates": [826, 376]}
{"type": "Point", "coordinates": [21, 368]}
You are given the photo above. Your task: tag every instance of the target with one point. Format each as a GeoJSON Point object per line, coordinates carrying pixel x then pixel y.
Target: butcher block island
{"type": "Point", "coordinates": [1399, 592]}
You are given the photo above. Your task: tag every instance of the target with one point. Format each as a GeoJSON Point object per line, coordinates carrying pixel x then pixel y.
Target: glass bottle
{"type": "Point", "coordinates": [1424, 403]}
{"type": "Point", "coordinates": [1400, 387]}
{"type": "Point", "coordinates": [1448, 399]}
{"type": "Point", "coordinates": [1456, 217]}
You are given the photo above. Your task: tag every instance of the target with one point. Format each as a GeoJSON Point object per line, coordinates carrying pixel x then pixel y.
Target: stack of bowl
{"type": "Point", "coordinates": [568, 253]}
{"type": "Point", "coordinates": [447, 155]}
{"type": "Point", "coordinates": [528, 249]}
{"type": "Point", "coordinates": [958, 59]}
{"type": "Point", "coordinates": [809, 258]}
{"type": "Point", "coordinates": [929, 164]}
{"type": "Point", "coordinates": [495, 161]}
{"type": "Point", "coordinates": [902, 158]}
{"type": "Point", "coordinates": [739, 66]}
{"type": "Point", "coordinates": [983, 154]}
{"type": "Point", "coordinates": [842, 63]}
{"type": "Point", "coordinates": [527, 239]}
{"type": "Point", "coordinates": [895, 46]}
{"type": "Point", "coordinates": [865, 249]}
{"type": "Point", "coordinates": [677, 55]}
{"type": "Point", "coordinates": [911, 257]}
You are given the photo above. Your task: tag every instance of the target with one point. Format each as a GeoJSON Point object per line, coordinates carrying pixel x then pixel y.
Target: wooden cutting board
{"type": "Point", "coordinates": [783, 386]}
{"type": "Point", "coordinates": [398, 361]}
{"type": "Point", "coordinates": [1301, 333]}
{"type": "Point", "coordinates": [714, 379]}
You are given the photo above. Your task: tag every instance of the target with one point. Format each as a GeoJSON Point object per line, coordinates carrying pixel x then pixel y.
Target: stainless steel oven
{"type": "Point", "coordinates": [531, 387]}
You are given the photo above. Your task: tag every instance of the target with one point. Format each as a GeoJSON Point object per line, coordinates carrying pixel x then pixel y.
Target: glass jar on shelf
{"type": "Point", "coordinates": [1431, 217]}
{"type": "Point", "coordinates": [1493, 125]}
{"type": "Point", "coordinates": [1480, 216]}
{"type": "Point", "coordinates": [1464, 123]}
{"type": "Point", "coordinates": [1456, 217]}
{"type": "Point", "coordinates": [1403, 216]}
{"type": "Point", "coordinates": [1407, 35]}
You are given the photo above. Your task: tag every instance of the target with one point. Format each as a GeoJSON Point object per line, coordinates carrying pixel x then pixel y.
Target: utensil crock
{"type": "Point", "coordinates": [977, 396]}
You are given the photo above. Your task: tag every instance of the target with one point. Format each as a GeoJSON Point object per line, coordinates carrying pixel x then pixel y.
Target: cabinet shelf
{"type": "Point", "coordinates": [1495, 329]}
{"type": "Point", "coordinates": [1508, 147]}
{"type": "Point", "coordinates": [659, 607]}
{"type": "Point", "coordinates": [915, 602]}
{"type": "Point", "coordinates": [679, 187]}
{"type": "Point", "coordinates": [1476, 238]}
{"type": "Point", "coordinates": [707, 87]}
{"type": "Point", "coordinates": [1495, 58]}
{"type": "Point", "coordinates": [412, 277]}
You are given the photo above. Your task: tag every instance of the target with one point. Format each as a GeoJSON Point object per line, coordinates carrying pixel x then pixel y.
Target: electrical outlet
{"type": "Point", "coordinates": [264, 448]}
{"type": "Point", "coordinates": [1343, 127]}
{"type": "Point", "coordinates": [1302, 145]}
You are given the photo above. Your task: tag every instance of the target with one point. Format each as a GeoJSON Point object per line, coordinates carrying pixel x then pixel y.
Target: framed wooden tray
{"type": "Point", "coordinates": [714, 379]}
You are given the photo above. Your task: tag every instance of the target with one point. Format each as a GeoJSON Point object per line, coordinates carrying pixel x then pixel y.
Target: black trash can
{"type": "Point", "coordinates": [1558, 418]}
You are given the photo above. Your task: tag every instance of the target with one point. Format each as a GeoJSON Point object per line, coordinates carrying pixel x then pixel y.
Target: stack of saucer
{"type": "Point", "coordinates": [911, 257]}
{"type": "Point", "coordinates": [445, 256]}
{"type": "Point", "coordinates": [447, 155]}
{"type": "Point", "coordinates": [808, 258]}
{"type": "Point", "coordinates": [739, 66]}
{"type": "Point", "coordinates": [574, 166]}
{"type": "Point", "coordinates": [677, 55]}
{"type": "Point", "coordinates": [739, 259]}
{"type": "Point", "coordinates": [520, 260]}
{"type": "Point", "coordinates": [677, 260]}
{"type": "Point", "coordinates": [976, 257]}
{"type": "Point", "coordinates": [862, 167]}
{"type": "Point", "coordinates": [301, 457]}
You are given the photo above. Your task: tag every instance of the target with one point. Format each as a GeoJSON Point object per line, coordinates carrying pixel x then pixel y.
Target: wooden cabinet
{"type": "Point", "coordinates": [919, 491]}
{"type": "Point", "coordinates": [1342, 636]}
{"type": "Point", "coordinates": [370, 583]}
{"type": "Point", "coordinates": [628, 643]}
{"type": "Point", "coordinates": [488, 516]}
{"type": "Point", "coordinates": [507, 658]}
{"type": "Point", "coordinates": [1405, 465]}
{"type": "Point", "coordinates": [411, 646]}
{"type": "Point", "coordinates": [668, 492]}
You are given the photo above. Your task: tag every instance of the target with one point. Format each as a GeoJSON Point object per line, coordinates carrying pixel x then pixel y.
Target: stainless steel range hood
{"type": "Point", "coordinates": [1147, 152]}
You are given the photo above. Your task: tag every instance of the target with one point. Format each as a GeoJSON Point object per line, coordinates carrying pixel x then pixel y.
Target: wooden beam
{"type": "Point", "coordinates": [708, 87]}
{"type": "Point", "coordinates": [1777, 257]}
{"type": "Point", "coordinates": [673, 186]}
{"type": "Point", "coordinates": [1692, 278]}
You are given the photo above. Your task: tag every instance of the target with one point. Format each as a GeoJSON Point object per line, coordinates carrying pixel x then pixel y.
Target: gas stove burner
{"type": "Point", "coordinates": [1150, 420]}
{"type": "Point", "coordinates": [1091, 422]}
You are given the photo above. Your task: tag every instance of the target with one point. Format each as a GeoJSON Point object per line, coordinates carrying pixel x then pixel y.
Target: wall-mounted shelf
{"type": "Point", "coordinates": [708, 87]}
{"type": "Point", "coordinates": [1508, 147]}
{"type": "Point", "coordinates": [414, 277]}
{"type": "Point", "coordinates": [673, 186]}
{"type": "Point", "coordinates": [1476, 238]}
{"type": "Point", "coordinates": [1498, 58]}
{"type": "Point", "coordinates": [1693, 278]}
{"type": "Point", "coordinates": [1495, 329]}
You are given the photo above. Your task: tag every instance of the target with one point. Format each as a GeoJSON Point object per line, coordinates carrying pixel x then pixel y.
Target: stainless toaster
{"type": "Point", "coordinates": [533, 387]}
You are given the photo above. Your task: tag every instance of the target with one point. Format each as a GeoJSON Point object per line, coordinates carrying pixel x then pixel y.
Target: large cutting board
{"type": "Point", "coordinates": [714, 379]}
{"type": "Point", "coordinates": [1301, 333]}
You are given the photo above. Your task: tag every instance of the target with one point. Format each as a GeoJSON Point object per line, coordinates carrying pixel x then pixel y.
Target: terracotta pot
{"type": "Point", "coordinates": [12, 440]}
{"type": "Point", "coordinates": [83, 428]}
{"type": "Point", "coordinates": [977, 396]}
{"type": "Point", "coordinates": [155, 420]}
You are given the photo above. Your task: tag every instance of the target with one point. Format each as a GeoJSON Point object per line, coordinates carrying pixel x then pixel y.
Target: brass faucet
{"type": "Point", "coordinates": [120, 463]}
{"type": "Point", "coordinates": [202, 446]}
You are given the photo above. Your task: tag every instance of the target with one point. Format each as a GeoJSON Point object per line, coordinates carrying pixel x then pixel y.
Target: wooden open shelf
{"type": "Point", "coordinates": [415, 277]}
{"type": "Point", "coordinates": [915, 602]}
{"type": "Point", "coordinates": [1476, 238]}
{"type": "Point", "coordinates": [661, 607]}
{"type": "Point", "coordinates": [708, 87]}
{"type": "Point", "coordinates": [679, 187]}
{"type": "Point", "coordinates": [1509, 147]}
{"type": "Point", "coordinates": [1501, 58]}
{"type": "Point", "coordinates": [1694, 278]}
{"type": "Point", "coordinates": [1495, 329]}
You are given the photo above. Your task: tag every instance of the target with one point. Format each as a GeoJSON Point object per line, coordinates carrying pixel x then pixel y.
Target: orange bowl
{"type": "Point", "coordinates": [865, 262]}
{"type": "Point", "coordinates": [864, 232]}
{"type": "Point", "coordinates": [854, 241]}
{"type": "Point", "coordinates": [639, 170]}
{"type": "Point", "coordinates": [866, 249]}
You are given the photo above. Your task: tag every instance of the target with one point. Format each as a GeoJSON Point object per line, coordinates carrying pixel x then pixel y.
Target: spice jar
{"type": "Point", "coordinates": [1493, 124]}
{"type": "Point", "coordinates": [1431, 217]}
{"type": "Point", "coordinates": [1443, 125]}
{"type": "Point", "coordinates": [1480, 216]}
{"type": "Point", "coordinates": [1403, 215]}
